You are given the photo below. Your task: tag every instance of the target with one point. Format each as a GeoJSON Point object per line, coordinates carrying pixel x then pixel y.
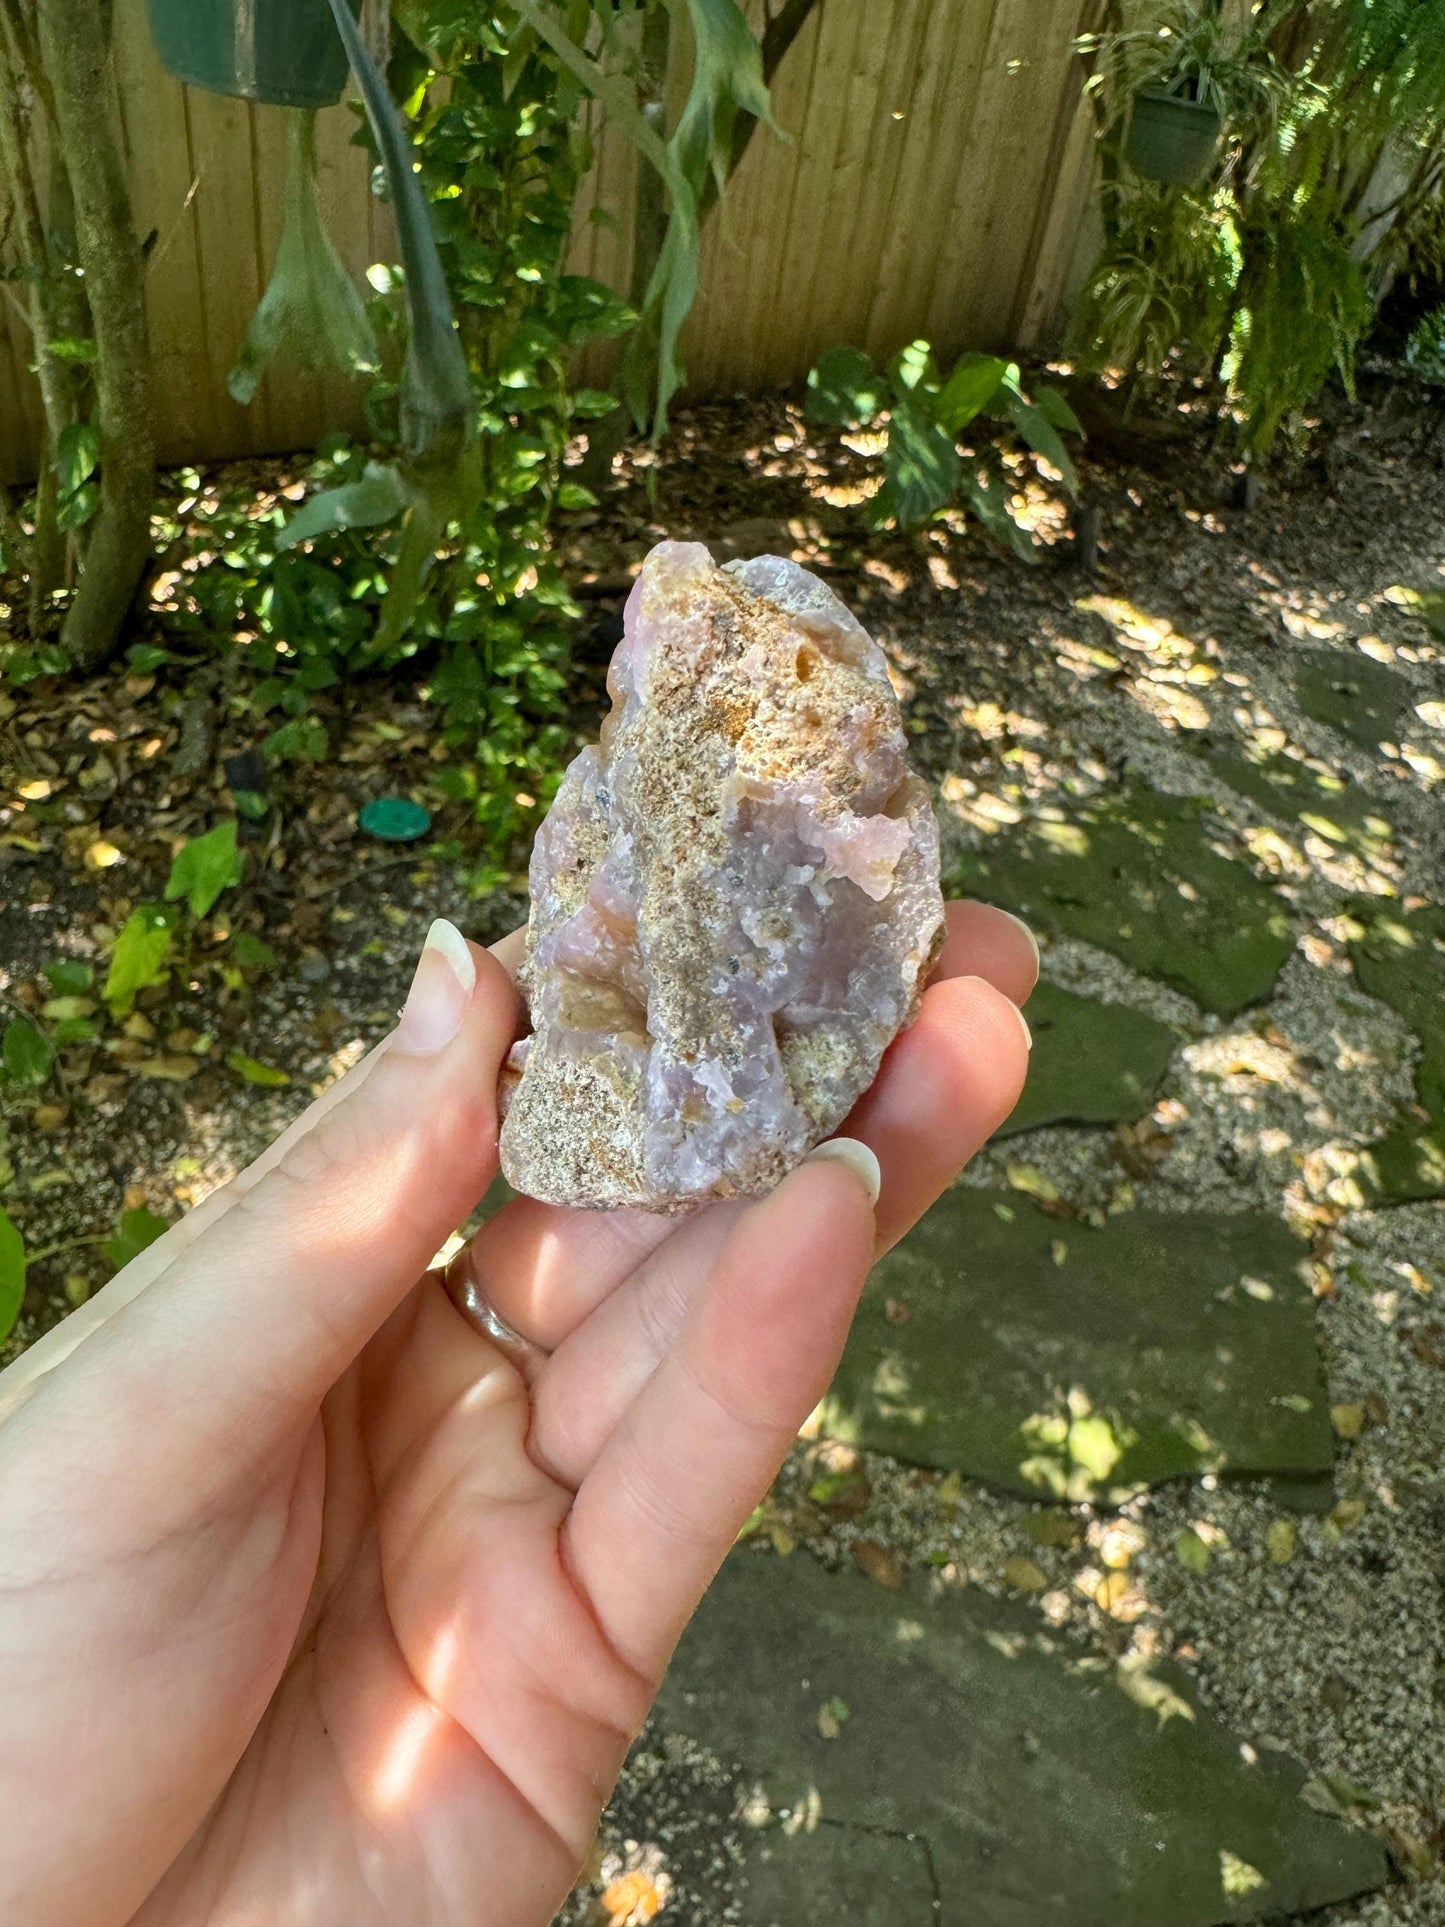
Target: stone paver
{"type": "Point", "coordinates": [1352, 693]}
{"type": "Point", "coordinates": [1297, 792]}
{"type": "Point", "coordinates": [1059, 1360]}
{"type": "Point", "coordinates": [985, 1772]}
{"type": "Point", "coordinates": [1400, 958]}
{"type": "Point", "coordinates": [1137, 873]}
{"type": "Point", "coordinates": [1092, 1062]}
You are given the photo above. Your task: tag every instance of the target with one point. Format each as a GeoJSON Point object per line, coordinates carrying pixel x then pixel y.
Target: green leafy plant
{"type": "Point", "coordinates": [139, 959]}
{"type": "Point", "coordinates": [494, 160]}
{"type": "Point", "coordinates": [255, 1072]}
{"type": "Point", "coordinates": [1162, 294]}
{"type": "Point", "coordinates": [1425, 350]}
{"type": "Point", "coordinates": [26, 1053]}
{"type": "Point", "coordinates": [204, 867]}
{"type": "Point", "coordinates": [942, 433]}
{"type": "Point", "coordinates": [201, 870]}
{"type": "Point", "coordinates": [694, 163]}
{"type": "Point", "coordinates": [1203, 53]}
{"type": "Point", "coordinates": [29, 1042]}
{"type": "Point", "coordinates": [310, 305]}
{"type": "Point", "coordinates": [1266, 277]}
{"type": "Point", "coordinates": [12, 1273]}
{"type": "Point", "coordinates": [1301, 306]}
{"type": "Point", "coordinates": [135, 1232]}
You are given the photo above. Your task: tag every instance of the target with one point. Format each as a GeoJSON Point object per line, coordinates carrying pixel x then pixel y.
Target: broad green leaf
{"type": "Point", "coordinates": [311, 304]}
{"type": "Point", "coordinates": [1191, 1551]}
{"type": "Point", "coordinates": [1043, 438]}
{"type": "Point", "coordinates": [303, 737]}
{"type": "Point", "coordinates": [727, 77]}
{"type": "Point", "coordinates": [988, 499]}
{"type": "Point", "coordinates": [12, 1273]}
{"type": "Point", "coordinates": [71, 348]}
{"type": "Point", "coordinates": [26, 664]}
{"type": "Point", "coordinates": [424, 527]}
{"type": "Point", "coordinates": [139, 957]}
{"type": "Point", "coordinates": [255, 1072]}
{"type": "Point", "coordinates": [62, 1010]}
{"type": "Point", "coordinates": [969, 390]}
{"type": "Point", "coordinates": [77, 509]}
{"type": "Point", "coordinates": [921, 464]}
{"type": "Point", "coordinates": [379, 497]}
{"type": "Point", "coordinates": [142, 657]}
{"type": "Point", "coordinates": [590, 404]}
{"type": "Point", "coordinates": [74, 1030]}
{"type": "Point", "coordinates": [69, 976]}
{"type": "Point", "coordinates": [26, 1053]}
{"type": "Point", "coordinates": [914, 367]}
{"type": "Point", "coordinates": [137, 1229]}
{"type": "Point", "coordinates": [204, 867]}
{"type": "Point", "coordinates": [441, 465]}
{"type": "Point", "coordinates": [1053, 403]}
{"type": "Point", "coordinates": [76, 455]}
{"type": "Point", "coordinates": [436, 388]}
{"type": "Point", "coordinates": [845, 388]}
{"type": "Point", "coordinates": [251, 952]}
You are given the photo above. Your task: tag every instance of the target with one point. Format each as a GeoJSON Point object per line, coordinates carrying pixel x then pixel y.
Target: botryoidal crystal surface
{"type": "Point", "coordinates": [735, 898]}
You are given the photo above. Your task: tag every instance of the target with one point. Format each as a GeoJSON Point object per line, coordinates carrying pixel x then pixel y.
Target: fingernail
{"type": "Point", "coordinates": [858, 1158]}
{"type": "Point", "coordinates": [1023, 1022]}
{"type": "Point", "coordinates": [440, 992]}
{"type": "Point", "coordinates": [1033, 940]}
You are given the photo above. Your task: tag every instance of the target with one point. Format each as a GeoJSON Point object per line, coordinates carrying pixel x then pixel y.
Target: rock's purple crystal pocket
{"type": "Point", "coordinates": [735, 898]}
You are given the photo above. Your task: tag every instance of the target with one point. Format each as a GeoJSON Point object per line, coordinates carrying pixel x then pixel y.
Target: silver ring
{"type": "Point", "coordinates": [460, 1284]}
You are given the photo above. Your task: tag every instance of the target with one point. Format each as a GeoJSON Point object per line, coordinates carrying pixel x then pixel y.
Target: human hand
{"type": "Point", "coordinates": [318, 1608]}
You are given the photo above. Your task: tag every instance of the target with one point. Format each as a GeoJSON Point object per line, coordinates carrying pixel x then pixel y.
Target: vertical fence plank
{"type": "Point", "coordinates": [1046, 295]}
{"type": "Point", "coordinates": [161, 200]}
{"type": "Point", "coordinates": [924, 159]}
{"type": "Point", "coordinates": [1019, 110]}
{"type": "Point", "coordinates": [231, 283]}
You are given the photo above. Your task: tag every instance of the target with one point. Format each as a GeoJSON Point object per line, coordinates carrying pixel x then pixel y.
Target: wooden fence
{"type": "Point", "coordinates": [939, 181]}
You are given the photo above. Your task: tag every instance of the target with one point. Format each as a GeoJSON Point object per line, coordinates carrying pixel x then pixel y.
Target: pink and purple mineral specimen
{"type": "Point", "coordinates": [735, 898]}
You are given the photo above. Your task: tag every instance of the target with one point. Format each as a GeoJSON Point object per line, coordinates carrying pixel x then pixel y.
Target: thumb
{"type": "Point", "coordinates": [270, 1305]}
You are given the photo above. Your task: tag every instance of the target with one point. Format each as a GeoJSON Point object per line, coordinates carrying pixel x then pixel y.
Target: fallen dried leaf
{"type": "Point", "coordinates": [1348, 1420]}
{"type": "Point", "coordinates": [881, 1564]}
{"type": "Point", "coordinates": [632, 1899]}
{"type": "Point", "coordinates": [172, 1070]}
{"type": "Point", "coordinates": [1281, 1540]}
{"type": "Point", "coordinates": [1024, 1575]}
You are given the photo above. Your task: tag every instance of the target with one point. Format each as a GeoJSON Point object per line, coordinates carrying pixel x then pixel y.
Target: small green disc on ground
{"type": "Point", "coordinates": [395, 819]}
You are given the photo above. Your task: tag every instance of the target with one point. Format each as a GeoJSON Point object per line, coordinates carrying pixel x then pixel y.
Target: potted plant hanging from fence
{"type": "Point", "coordinates": [1180, 78]}
{"type": "Point", "coordinates": [286, 53]}
{"type": "Point", "coordinates": [1174, 135]}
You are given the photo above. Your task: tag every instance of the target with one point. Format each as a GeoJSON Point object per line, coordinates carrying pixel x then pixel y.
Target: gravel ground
{"type": "Point", "coordinates": [1321, 1634]}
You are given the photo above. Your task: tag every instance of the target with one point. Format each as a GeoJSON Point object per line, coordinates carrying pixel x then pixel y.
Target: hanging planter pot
{"type": "Point", "coordinates": [1173, 138]}
{"type": "Point", "coordinates": [286, 53]}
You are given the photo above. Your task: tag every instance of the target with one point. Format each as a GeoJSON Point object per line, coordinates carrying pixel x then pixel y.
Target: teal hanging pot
{"type": "Point", "coordinates": [1173, 139]}
{"type": "Point", "coordinates": [286, 53]}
